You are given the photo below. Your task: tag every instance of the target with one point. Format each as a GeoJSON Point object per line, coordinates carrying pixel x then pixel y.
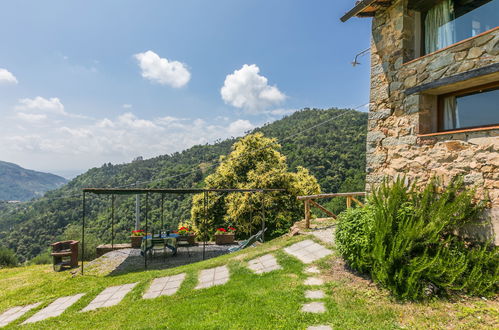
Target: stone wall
{"type": "Point", "coordinates": [396, 120]}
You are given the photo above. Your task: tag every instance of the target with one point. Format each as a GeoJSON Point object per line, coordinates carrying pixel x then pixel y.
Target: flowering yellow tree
{"type": "Point", "coordinates": [254, 163]}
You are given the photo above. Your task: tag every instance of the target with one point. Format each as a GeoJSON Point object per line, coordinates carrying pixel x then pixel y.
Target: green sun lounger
{"type": "Point", "coordinates": [249, 242]}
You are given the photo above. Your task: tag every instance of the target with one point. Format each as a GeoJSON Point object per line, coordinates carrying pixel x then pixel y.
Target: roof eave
{"type": "Point", "coordinates": [360, 9]}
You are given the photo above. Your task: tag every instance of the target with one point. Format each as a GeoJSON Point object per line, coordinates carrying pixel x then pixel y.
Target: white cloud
{"type": "Point", "coordinates": [7, 77]}
{"type": "Point", "coordinates": [163, 71]}
{"type": "Point", "coordinates": [127, 106]}
{"type": "Point", "coordinates": [248, 90]}
{"type": "Point", "coordinates": [239, 127]}
{"type": "Point", "coordinates": [31, 117]}
{"type": "Point", "coordinates": [281, 112]}
{"type": "Point", "coordinates": [73, 143]}
{"type": "Point", "coordinates": [52, 105]}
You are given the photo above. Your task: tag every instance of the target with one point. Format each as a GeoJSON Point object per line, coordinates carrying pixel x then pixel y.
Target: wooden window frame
{"type": "Point", "coordinates": [472, 90]}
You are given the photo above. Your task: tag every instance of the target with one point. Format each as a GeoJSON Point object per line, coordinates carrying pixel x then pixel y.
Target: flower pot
{"type": "Point", "coordinates": [224, 239]}
{"type": "Point", "coordinates": [189, 239]}
{"type": "Point", "coordinates": [136, 241]}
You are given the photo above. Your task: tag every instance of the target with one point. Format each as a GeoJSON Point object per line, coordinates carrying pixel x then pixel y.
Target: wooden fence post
{"type": "Point", "coordinates": [349, 202]}
{"type": "Point", "coordinates": [307, 214]}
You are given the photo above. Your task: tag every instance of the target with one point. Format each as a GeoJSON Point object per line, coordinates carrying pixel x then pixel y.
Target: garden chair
{"type": "Point", "coordinates": [249, 242]}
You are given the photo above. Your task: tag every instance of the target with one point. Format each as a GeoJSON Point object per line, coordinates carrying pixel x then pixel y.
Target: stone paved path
{"type": "Point", "coordinates": [54, 309]}
{"type": "Point", "coordinates": [213, 276]}
{"type": "Point", "coordinates": [325, 235]}
{"type": "Point", "coordinates": [264, 264]}
{"type": "Point", "coordinates": [320, 327]}
{"type": "Point", "coordinates": [307, 251]}
{"type": "Point", "coordinates": [313, 281]}
{"type": "Point", "coordinates": [314, 307]}
{"type": "Point", "coordinates": [164, 286]}
{"type": "Point", "coordinates": [110, 297]}
{"type": "Point", "coordinates": [14, 313]}
{"type": "Point", "coordinates": [314, 294]}
{"type": "Point", "coordinates": [312, 270]}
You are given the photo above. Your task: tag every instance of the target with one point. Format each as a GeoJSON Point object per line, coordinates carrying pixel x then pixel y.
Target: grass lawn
{"type": "Point", "coordinates": [247, 301]}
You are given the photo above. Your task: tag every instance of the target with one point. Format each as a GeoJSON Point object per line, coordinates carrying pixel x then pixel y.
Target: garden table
{"type": "Point", "coordinates": [166, 241]}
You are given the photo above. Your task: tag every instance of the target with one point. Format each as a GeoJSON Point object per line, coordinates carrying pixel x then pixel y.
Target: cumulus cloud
{"type": "Point", "coordinates": [250, 91]}
{"type": "Point", "coordinates": [51, 105]}
{"type": "Point", "coordinates": [163, 71]}
{"type": "Point", "coordinates": [70, 143]}
{"type": "Point", "coordinates": [31, 117]}
{"type": "Point", "coordinates": [7, 77]}
{"type": "Point", "coordinates": [239, 127]}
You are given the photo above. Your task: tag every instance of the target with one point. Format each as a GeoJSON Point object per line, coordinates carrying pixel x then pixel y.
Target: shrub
{"type": "Point", "coordinates": [7, 258]}
{"type": "Point", "coordinates": [354, 235]}
{"type": "Point", "coordinates": [407, 241]}
{"type": "Point", "coordinates": [43, 258]}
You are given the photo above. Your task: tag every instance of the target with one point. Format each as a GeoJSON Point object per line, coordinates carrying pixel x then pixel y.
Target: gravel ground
{"type": "Point", "coordinates": [130, 260]}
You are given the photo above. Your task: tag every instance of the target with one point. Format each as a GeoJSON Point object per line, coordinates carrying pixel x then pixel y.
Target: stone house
{"type": "Point", "coordinates": [434, 100]}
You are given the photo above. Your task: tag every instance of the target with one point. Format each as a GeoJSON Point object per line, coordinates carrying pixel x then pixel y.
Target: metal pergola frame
{"type": "Point", "coordinates": [147, 191]}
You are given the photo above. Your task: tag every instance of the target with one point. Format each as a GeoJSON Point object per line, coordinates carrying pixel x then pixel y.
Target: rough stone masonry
{"type": "Point", "coordinates": [397, 140]}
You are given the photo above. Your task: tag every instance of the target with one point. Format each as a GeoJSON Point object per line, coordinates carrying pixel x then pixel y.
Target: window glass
{"type": "Point", "coordinates": [471, 110]}
{"type": "Point", "coordinates": [450, 21]}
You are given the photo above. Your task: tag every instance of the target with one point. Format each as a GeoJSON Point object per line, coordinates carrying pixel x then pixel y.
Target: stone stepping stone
{"type": "Point", "coordinates": [264, 264]}
{"type": "Point", "coordinates": [110, 296]}
{"type": "Point", "coordinates": [54, 309]}
{"type": "Point", "coordinates": [14, 313]}
{"type": "Point", "coordinates": [164, 286]}
{"type": "Point", "coordinates": [313, 281]}
{"type": "Point", "coordinates": [213, 276]}
{"type": "Point", "coordinates": [307, 251]}
{"type": "Point", "coordinates": [314, 307]}
{"type": "Point", "coordinates": [312, 270]}
{"type": "Point", "coordinates": [319, 327]}
{"type": "Point", "coordinates": [314, 294]}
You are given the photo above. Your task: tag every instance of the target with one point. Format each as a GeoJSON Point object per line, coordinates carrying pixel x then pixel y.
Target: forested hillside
{"type": "Point", "coordinates": [17, 183]}
{"type": "Point", "coordinates": [334, 152]}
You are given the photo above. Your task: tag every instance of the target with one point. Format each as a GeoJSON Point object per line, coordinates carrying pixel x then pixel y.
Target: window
{"type": "Point", "coordinates": [471, 108]}
{"type": "Point", "coordinates": [449, 21]}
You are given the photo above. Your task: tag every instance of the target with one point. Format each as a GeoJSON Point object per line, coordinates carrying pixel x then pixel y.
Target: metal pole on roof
{"type": "Point", "coordinates": [263, 217]}
{"type": "Point", "coordinates": [137, 212]}
{"type": "Point", "coordinates": [147, 230]}
{"type": "Point", "coordinates": [83, 235]}
{"type": "Point", "coordinates": [162, 212]}
{"type": "Point", "coordinates": [205, 201]}
{"type": "Point", "coordinates": [112, 221]}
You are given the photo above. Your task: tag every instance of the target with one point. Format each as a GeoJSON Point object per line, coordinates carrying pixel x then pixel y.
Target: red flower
{"type": "Point", "coordinates": [232, 228]}
{"type": "Point", "coordinates": [222, 229]}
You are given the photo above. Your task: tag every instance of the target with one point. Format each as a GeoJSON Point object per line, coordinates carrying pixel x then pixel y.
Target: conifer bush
{"type": "Point", "coordinates": [407, 240]}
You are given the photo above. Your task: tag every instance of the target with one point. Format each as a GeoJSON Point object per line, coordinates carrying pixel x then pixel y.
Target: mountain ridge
{"type": "Point", "coordinates": [18, 183]}
{"type": "Point", "coordinates": [333, 151]}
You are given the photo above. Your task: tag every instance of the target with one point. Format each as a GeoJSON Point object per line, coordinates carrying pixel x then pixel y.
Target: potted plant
{"type": "Point", "coordinates": [136, 238]}
{"type": "Point", "coordinates": [225, 236]}
{"type": "Point", "coordinates": [186, 235]}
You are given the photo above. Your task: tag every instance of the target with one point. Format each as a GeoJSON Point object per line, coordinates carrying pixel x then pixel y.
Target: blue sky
{"type": "Point", "coordinates": [83, 83]}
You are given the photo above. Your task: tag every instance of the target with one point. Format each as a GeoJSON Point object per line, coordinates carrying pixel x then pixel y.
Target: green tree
{"type": "Point", "coordinates": [254, 163]}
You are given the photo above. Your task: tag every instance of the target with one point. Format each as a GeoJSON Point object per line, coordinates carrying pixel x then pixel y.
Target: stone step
{"type": "Point", "coordinates": [314, 307]}
{"type": "Point", "coordinates": [54, 309]}
{"type": "Point", "coordinates": [110, 296]}
{"type": "Point", "coordinates": [213, 276]}
{"type": "Point", "coordinates": [14, 313]}
{"type": "Point", "coordinates": [313, 281]}
{"type": "Point", "coordinates": [264, 264]}
{"type": "Point", "coordinates": [164, 286]}
{"type": "Point", "coordinates": [314, 294]}
{"type": "Point", "coordinates": [307, 251]}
